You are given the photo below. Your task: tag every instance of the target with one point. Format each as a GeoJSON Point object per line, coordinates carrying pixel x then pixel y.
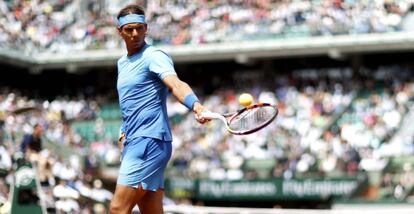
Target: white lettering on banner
{"type": "Point", "coordinates": [318, 188]}
{"type": "Point", "coordinates": [227, 189]}
{"type": "Point", "coordinates": [182, 183]}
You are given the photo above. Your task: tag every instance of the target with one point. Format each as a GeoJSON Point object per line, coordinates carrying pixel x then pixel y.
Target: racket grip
{"type": "Point", "coordinates": [210, 115]}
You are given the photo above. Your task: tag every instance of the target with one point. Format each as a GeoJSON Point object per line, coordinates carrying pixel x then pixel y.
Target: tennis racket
{"type": "Point", "coordinates": [246, 120]}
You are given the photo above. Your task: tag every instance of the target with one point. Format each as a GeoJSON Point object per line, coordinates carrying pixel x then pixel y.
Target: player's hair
{"type": "Point", "coordinates": [131, 9]}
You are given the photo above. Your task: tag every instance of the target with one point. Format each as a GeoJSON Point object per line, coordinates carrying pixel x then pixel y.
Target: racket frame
{"type": "Point", "coordinates": [228, 117]}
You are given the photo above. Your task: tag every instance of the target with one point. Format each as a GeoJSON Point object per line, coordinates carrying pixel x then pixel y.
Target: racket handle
{"type": "Point", "coordinates": [211, 115]}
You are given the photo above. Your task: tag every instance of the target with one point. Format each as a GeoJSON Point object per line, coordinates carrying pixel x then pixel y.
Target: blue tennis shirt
{"type": "Point", "coordinates": [142, 94]}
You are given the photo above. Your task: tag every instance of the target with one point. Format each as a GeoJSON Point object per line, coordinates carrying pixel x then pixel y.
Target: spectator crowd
{"type": "Point", "coordinates": [332, 122]}
{"type": "Point", "coordinates": [73, 25]}
{"type": "Point", "coordinates": [65, 186]}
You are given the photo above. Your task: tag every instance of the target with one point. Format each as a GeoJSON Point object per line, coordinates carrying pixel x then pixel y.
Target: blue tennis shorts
{"type": "Point", "coordinates": [143, 163]}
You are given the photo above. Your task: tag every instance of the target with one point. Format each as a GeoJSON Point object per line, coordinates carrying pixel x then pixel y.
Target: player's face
{"type": "Point", "coordinates": [133, 34]}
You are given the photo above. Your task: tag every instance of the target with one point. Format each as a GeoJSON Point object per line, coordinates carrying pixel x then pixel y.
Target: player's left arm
{"type": "Point", "coordinates": [181, 91]}
{"type": "Point", "coordinates": [162, 65]}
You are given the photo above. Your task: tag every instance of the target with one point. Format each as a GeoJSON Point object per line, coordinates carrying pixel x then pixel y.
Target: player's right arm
{"type": "Point", "coordinates": [121, 141]}
{"type": "Point", "coordinates": [121, 138]}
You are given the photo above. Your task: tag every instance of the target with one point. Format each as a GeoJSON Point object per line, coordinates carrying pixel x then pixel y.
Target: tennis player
{"type": "Point", "coordinates": [145, 75]}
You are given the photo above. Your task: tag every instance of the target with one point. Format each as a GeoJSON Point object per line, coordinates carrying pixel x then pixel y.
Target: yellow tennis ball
{"type": "Point", "coordinates": [245, 99]}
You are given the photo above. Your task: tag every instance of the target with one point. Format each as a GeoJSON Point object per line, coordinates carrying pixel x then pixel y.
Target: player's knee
{"type": "Point", "coordinates": [115, 208]}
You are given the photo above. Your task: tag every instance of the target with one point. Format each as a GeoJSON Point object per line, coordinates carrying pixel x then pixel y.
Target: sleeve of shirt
{"type": "Point", "coordinates": [161, 64]}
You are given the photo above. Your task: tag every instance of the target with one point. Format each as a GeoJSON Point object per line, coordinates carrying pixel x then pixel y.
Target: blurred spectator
{"type": "Point", "coordinates": [56, 26]}
{"type": "Point", "coordinates": [66, 198]}
{"type": "Point", "coordinates": [98, 193]}
{"type": "Point", "coordinates": [5, 160]}
{"type": "Point", "coordinates": [32, 143]}
{"type": "Point", "coordinates": [331, 122]}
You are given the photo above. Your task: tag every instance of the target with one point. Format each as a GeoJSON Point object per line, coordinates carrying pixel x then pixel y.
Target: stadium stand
{"type": "Point", "coordinates": [345, 121]}
{"type": "Point", "coordinates": [56, 26]}
{"type": "Point", "coordinates": [322, 112]}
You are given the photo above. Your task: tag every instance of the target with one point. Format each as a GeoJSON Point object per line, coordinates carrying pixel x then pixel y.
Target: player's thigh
{"type": "Point", "coordinates": [151, 202]}
{"type": "Point", "coordinates": [125, 198]}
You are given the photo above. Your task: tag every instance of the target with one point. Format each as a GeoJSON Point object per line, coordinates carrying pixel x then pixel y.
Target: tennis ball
{"type": "Point", "coordinates": [245, 99]}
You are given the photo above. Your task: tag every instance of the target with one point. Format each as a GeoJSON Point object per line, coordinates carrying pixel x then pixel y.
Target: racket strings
{"type": "Point", "coordinates": [252, 118]}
